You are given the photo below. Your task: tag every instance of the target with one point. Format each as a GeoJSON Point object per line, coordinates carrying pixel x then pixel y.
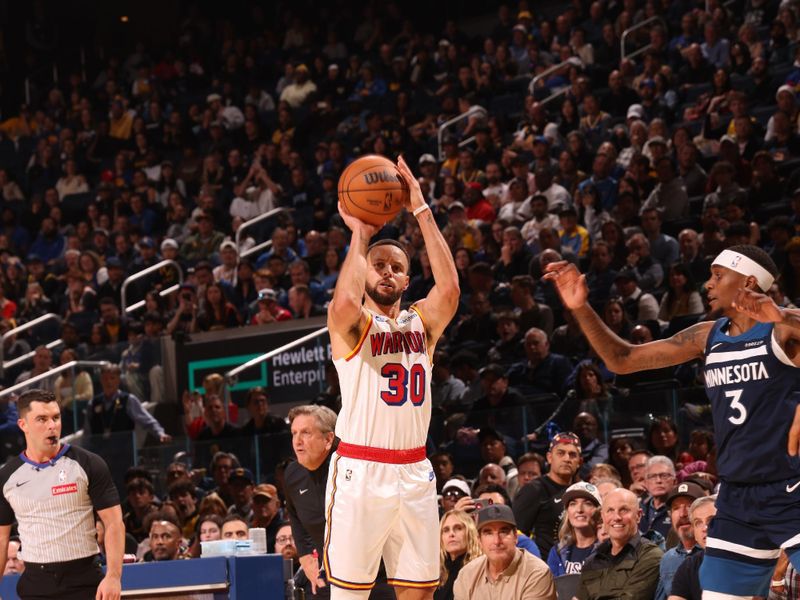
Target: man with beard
{"type": "Point", "coordinates": [284, 544]}
{"type": "Point", "coordinates": [679, 500]}
{"type": "Point", "coordinates": [537, 506]}
{"type": "Point", "coordinates": [381, 490]}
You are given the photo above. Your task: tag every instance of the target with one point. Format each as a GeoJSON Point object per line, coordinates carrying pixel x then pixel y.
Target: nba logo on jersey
{"type": "Point", "coordinates": [62, 476]}
{"type": "Point", "coordinates": [735, 261]}
{"type": "Point", "coordinates": [431, 476]}
{"type": "Point", "coordinates": [348, 475]}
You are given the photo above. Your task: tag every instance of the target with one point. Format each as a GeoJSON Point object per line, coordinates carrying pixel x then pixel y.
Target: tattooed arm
{"type": "Point", "coordinates": [619, 355]}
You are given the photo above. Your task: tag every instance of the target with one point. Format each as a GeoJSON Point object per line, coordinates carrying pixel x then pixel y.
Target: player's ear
{"type": "Point", "coordinates": [22, 425]}
{"type": "Point", "coordinates": [751, 283]}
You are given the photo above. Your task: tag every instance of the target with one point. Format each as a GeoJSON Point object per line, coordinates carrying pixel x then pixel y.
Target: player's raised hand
{"type": "Point", "coordinates": [415, 197]}
{"type": "Point", "coordinates": [356, 224]}
{"type": "Point", "coordinates": [757, 306]}
{"type": "Point", "coordinates": [569, 282]}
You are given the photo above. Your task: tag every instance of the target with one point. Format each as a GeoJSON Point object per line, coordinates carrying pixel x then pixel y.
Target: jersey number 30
{"type": "Point", "coordinates": [740, 409]}
{"type": "Point", "coordinates": [404, 383]}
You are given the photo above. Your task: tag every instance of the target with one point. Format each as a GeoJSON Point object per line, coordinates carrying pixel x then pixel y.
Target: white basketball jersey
{"type": "Point", "coordinates": [386, 384]}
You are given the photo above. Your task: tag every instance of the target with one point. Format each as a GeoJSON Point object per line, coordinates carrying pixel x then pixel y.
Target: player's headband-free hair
{"type": "Point", "coordinates": [746, 266]}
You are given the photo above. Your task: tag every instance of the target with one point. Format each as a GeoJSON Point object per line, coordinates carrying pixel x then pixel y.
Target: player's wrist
{"type": "Point", "coordinates": [421, 208]}
{"type": "Point", "coordinates": [777, 583]}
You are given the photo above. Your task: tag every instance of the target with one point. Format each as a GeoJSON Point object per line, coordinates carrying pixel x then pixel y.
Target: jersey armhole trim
{"type": "Point", "coordinates": [779, 352]}
{"type": "Point", "coordinates": [361, 339]}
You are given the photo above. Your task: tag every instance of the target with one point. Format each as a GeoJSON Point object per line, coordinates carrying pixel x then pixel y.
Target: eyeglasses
{"type": "Point", "coordinates": [453, 494]}
{"type": "Point", "coordinates": [284, 539]}
{"type": "Point", "coordinates": [664, 476]}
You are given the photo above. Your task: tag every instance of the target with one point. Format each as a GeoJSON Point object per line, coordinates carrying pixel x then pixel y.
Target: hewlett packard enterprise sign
{"type": "Point", "coordinates": [294, 376]}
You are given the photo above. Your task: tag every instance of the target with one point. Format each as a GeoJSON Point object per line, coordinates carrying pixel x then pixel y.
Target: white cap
{"type": "Point", "coordinates": [582, 489]}
{"type": "Point", "coordinates": [169, 243]}
{"type": "Point", "coordinates": [635, 111]}
{"type": "Point", "coordinates": [228, 244]}
{"type": "Point", "coordinates": [784, 88]}
{"type": "Point", "coordinates": [458, 484]}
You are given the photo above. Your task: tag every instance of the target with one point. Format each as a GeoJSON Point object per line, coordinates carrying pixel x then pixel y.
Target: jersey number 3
{"type": "Point", "coordinates": [740, 409]}
{"type": "Point", "coordinates": [404, 383]}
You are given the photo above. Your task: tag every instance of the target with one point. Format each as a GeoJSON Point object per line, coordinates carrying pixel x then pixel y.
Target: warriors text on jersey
{"type": "Point", "coordinates": [753, 389]}
{"type": "Point", "coordinates": [385, 384]}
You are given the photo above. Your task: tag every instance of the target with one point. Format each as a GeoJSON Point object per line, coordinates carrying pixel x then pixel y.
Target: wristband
{"type": "Point", "coordinates": [777, 583]}
{"type": "Point", "coordinates": [421, 209]}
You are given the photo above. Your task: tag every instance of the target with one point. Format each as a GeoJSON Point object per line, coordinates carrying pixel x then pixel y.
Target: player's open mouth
{"type": "Point", "coordinates": [52, 440]}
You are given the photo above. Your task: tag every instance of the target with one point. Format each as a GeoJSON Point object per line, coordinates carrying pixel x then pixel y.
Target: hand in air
{"type": "Point", "coordinates": [569, 282]}
{"type": "Point", "coordinates": [355, 224]}
{"type": "Point", "coordinates": [415, 197]}
{"type": "Point", "coordinates": [757, 306]}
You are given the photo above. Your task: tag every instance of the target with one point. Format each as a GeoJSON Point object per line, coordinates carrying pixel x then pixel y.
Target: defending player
{"type": "Point", "coordinates": [381, 493]}
{"type": "Point", "coordinates": [751, 359]}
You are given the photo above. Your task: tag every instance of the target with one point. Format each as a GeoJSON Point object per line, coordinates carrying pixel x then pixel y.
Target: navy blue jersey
{"type": "Point", "coordinates": [753, 388]}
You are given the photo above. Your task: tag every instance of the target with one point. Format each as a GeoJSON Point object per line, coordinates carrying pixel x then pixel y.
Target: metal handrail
{"type": "Point", "coordinates": [548, 71]}
{"type": "Point", "coordinates": [21, 359]}
{"type": "Point", "coordinates": [249, 223]}
{"type": "Point", "coordinates": [473, 111]}
{"type": "Point", "coordinates": [629, 30]}
{"type": "Point", "coordinates": [231, 376]}
{"type": "Point", "coordinates": [24, 327]}
{"type": "Point", "coordinates": [55, 371]}
{"type": "Point", "coordinates": [138, 275]}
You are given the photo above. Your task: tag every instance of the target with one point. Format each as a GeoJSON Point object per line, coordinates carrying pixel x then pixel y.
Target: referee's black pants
{"type": "Point", "coordinates": [70, 580]}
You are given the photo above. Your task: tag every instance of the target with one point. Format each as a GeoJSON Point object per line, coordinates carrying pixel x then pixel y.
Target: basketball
{"type": "Point", "coordinates": [372, 190]}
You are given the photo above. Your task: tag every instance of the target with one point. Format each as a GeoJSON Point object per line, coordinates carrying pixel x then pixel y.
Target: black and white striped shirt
{"type": "Point", "coordinates": [53, 503]}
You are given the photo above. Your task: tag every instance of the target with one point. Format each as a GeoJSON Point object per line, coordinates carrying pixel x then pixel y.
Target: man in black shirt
{"type": "Point", "coordinates": [261, 421]}
{"type": "Point", "coordinates": [538, 506]}
{"type": "Point", "coordinates": [686, 583]}
{"type": "Point", "coordinates": [314, 441]}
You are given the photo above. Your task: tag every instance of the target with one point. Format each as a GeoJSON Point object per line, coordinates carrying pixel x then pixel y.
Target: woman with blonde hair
{"type": "Point", "coordinates": [459, 545]}
{"type": "Point", "coordinates": [577, 534]}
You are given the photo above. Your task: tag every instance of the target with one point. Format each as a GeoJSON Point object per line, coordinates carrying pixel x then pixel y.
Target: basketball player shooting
{"type": "Point", "coordinates": [751, 357]}
{"type": "Point", "coordinates": [381, 491]}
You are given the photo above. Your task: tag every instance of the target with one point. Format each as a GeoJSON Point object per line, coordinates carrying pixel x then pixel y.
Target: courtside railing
{"type": "Point", "coordinates": [254, 221]}
{"type": "Point", "coordinates": [144, 273]}
{"type": "Point", "coordinates": [622, 53]}
{"type": "Point", "coordinates": [474, 111]}
{"type": "Point", "coordinates": [7, 364]}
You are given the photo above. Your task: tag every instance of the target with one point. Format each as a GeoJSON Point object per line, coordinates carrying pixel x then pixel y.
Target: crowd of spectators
{"type": "Point", "coordinates": [637, 168]}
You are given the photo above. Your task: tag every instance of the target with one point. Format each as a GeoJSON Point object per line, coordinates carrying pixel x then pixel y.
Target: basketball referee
{"type": "Point", "coordinates": [53, 491]}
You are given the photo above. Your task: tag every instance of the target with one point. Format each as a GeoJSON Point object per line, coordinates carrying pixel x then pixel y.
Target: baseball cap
{"type": "Point", "coordinates": [427, 158]}
{"type": "Point", "coordinates": [582, 489]}
{"type": "Point", "coordinates": [727, 138]}
{"type": "Point", "coordinates": [657, 139]}
{"type": "Point", "coordinates": [266, 490]}
{"type": "Point", "coordinates": [213, 98]}
{"type": "Point", "coordinates": [519, 28]}
{"type": "Point", "coordinates": [456, 484]}
{"type": "Point", "coordinates": [496, 513]}
{"type": "Point", "coordinates": [267, 294]}
{"type": "Point", "coordinates": [169, 243]}
{"type": "Point", "coordinates": [187, 286]}
{"type": "Point", "coordinates": [686, 489]}
{"type": "Point", "coordinates": [524, 14]}
{"type": "Point", "coordinates": [489, 432]}
{"type": "Point", "coordinates": [113, 263]}
{"type": "Point", "coordinates": [635, 111]}
{"type": "Point", "coordinates": [540, 139]}
{"type": "Point", "coordinates": [228, 244]}
{"type": "Point", "coordinates": [147, 242]}
{"type": "Point", "coordinates": [784, 88]}
{"type": "Point", "coordinates": [455, 205]}
{"type": "Point", "coordinates": [241, 473]}
{"type": "Point", "coordinates": [565, 437]}
{"type": "Point", "coordinates": [626, 273]}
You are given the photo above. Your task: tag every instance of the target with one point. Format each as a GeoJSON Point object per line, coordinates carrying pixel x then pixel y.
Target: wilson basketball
{"type": "Point", "coordinates": [372, 190]}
